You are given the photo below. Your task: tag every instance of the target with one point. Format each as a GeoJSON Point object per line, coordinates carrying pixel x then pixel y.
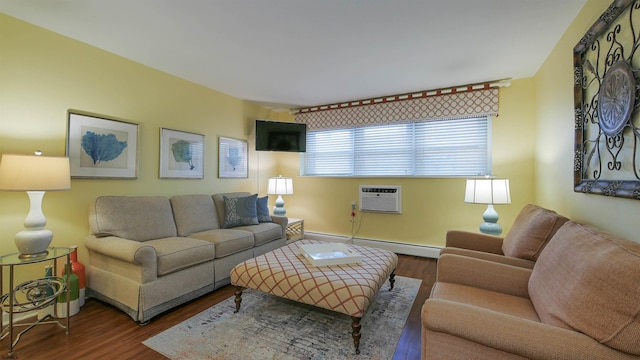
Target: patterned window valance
{"type": "Point", "coordinates": [469, 101]}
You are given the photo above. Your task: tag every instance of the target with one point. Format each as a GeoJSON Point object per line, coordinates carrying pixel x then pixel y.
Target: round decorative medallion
{"type": "Point", "coordinates": [616, 98]}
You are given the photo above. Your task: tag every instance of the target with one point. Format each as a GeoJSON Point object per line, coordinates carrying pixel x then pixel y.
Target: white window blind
{"type": "Point", "coordinates": [456, 147]}
{"type": "Point", "coordinates": [384, 150]}
{"type": "Point", "coordinates": [329, 152]}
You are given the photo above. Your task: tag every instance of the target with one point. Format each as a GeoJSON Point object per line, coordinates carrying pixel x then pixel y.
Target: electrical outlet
{"type": "Point", "coordinates": [353, 205]}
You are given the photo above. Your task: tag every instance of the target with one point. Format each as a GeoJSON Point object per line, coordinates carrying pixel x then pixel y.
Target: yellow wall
{"type": "Point", "coordinates": [532, 146]}
{"type": "Point", "coordinates": [555, 136]}
{"type": "Point", "coordinates": [43, 74]}
{"type": "Point", "coordinates": [430, 206]}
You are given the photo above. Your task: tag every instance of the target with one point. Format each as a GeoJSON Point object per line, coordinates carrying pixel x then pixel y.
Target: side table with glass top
{"type": "Point", "coordinates": [32, 295]}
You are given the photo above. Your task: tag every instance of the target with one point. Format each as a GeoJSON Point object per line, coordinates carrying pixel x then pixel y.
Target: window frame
{"type": "Point", "coordinates": [310, 145]}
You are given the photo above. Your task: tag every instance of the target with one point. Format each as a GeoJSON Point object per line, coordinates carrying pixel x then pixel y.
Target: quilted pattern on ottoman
{"type": "Point", "coordinates": [347, 289]}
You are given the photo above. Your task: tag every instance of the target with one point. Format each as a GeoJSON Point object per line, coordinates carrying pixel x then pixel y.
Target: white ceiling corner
{"type": "Point", "coordinates": [295, 53]}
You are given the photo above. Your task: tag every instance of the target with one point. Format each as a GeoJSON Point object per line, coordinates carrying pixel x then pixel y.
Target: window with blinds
{"type": "Point", "coordinates": [439, 148]}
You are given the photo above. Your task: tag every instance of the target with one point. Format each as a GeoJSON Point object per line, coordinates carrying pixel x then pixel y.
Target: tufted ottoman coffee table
{"type": "Point", "coordinates": [346, 289]}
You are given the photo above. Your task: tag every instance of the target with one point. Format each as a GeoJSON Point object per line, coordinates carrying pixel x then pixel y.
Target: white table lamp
{"type": "Point", "coordinates": [280, 186]}
{"type": "Point", "coordinates": [490, 192]}
{"type": "Point", "coordinates": [34, 174]}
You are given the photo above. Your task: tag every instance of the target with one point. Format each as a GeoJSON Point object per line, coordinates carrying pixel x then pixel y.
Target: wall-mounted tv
{"type": "Point", "coordinates": [280, 136]}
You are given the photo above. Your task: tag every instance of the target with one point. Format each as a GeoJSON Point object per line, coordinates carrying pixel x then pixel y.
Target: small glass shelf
{"type": "Point", "coordinates": [52, 253]}
{"type": "Point", "coordinates": [31, 295]}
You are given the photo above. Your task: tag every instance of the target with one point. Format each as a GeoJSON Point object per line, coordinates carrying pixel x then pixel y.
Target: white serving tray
{"type": "Point", "coordinates": [329, 254]}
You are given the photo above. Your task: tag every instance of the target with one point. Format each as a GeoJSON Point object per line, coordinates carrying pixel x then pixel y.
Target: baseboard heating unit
{"type": "Point", "coordinates": [398, 248]}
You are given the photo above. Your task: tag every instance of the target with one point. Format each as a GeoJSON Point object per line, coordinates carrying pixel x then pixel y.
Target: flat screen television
{"type": "Point", "coordinates": [280, 136]}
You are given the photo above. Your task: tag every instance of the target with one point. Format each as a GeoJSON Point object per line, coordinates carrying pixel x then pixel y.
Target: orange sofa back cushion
{"type": "Point", "coordinates": [531, 231]}
{"type": "Point", "coordinates": [589, 281]}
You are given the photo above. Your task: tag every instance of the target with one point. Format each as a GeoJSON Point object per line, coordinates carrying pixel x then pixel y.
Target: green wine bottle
{"type": "Point", "coordinates": [74, 294]}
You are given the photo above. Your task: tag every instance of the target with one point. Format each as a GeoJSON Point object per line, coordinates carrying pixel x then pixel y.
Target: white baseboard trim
{"type": "Point", "coordinates": [399, 248]}
{"type": "Point", "coordinates": [17, 317]}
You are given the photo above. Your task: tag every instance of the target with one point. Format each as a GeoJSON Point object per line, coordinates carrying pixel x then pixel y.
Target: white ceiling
{"type": "Point", "coordinates": [297, 53]}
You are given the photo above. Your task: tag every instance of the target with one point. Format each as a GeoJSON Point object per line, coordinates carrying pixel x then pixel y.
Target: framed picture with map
{"type": "Point", "coordinates": [181, 154]}
{"type": "Point", "coordinates": [233, 161]}
{"type": "Point", "coordinates": [101, 147]}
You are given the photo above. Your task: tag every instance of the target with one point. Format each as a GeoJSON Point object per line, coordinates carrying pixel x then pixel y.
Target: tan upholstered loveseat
{"type": "Point", "coordinates": [148, 254]}
{"type": "Point", "coordinates": [581, 300]}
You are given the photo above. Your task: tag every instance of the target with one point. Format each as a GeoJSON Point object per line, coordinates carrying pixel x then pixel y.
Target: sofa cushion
{"type": "Point", "coordinates": [587, 280]}
{"type": "Point", "coordinates": [226, 241]}
{"type": "Point", "coordinates": [177, 253]}
{"type": "Point", "coordinates": [218, 200]}
{"type": "Point", "coordinates": [533, 228]}
{"type": "Point", "coordinates": [264, 232]}
{"type": "Point", "coordinates": [508, 260]}
{"type": "Point", "coordinates": [486, 299]}
{"type": "Point", "coordinates": [138, 218]}
{"type": "Point", "coordinates": [262, 205]}
{"type": "Point", "coordinates": [194, 213]}
{"type": "Point", "coordinates": [239, 211]}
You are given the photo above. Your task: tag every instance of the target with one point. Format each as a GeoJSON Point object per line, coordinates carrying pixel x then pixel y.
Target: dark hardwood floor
{"type": "Point", "coordinates": [100, 331]}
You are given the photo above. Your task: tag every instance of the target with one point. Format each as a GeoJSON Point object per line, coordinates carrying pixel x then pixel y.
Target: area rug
{"type": "Point", "coordinates": [269, 327]}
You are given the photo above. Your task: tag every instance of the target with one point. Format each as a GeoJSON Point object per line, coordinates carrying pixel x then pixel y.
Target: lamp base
{"type": "Point", "coordinates": [490, 225]}
{"type": "Point", "coordinates": [34, 240]}
{"type": "Point", "coordinates": [33, 256]}
{"type": "Point", "coordinates": [491, 228]}
{"type": "Point", "coordinates": [33, 243]}
{"type": "Point", "coordinates": [279, 208]}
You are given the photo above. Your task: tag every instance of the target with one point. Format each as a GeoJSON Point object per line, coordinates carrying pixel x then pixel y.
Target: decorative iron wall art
{"type": "Point", "coordinates": [607, 99]}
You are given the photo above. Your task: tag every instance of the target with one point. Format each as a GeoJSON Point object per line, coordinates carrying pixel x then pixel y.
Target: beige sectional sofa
{"type": "Point", "coordinates": [578, 300]}
{"type": "Point", "coordinates": [148, 254]}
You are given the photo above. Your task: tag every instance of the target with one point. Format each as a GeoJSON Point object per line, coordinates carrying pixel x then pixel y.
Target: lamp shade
{"type": "Point", "coordinates": [34, 173]}
{"type": "Point", "coordinates": [487, 191]}
{"type": "Point", "coordinates": [280, 186]}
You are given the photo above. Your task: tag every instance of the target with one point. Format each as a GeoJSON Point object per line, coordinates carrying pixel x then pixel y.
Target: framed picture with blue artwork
{"type": "Point", "coordinates": [181, 155]}
{"type": "Point", "coordinates": [101, 147]}
{"type": "Point", "coordinates": [233, 161]}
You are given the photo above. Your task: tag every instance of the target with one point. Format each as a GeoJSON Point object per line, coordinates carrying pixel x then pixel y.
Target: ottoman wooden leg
{"type": "Point", "coordinates": [238, 299]}
{"type": "Point", "coordinates": [355, 325]}
{"type": "Point", "coordinates": [392, 279]}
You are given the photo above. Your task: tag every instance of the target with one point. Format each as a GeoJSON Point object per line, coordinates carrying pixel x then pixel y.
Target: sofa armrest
{"type": "Point", "coordinates": [133, 252]}
{"type": "Point", "coordinates": [484, 274]}
{"type": "Point", "coordinates": [503, 259]}
{"type": "Point", "coordinates": [511, 334]}
{"type": "Point", "coordinates": [282, 221]}
{"type": "Point", "coordinates": [474, 241]}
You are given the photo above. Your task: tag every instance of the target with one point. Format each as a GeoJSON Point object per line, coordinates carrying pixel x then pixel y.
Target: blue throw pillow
{"type": "Point", "coordinates": [263, 209]}
{"type": "Point", "coordinates": [240, 211]}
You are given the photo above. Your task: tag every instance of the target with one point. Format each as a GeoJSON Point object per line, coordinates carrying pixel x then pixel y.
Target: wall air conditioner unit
{"type": "Point", "coordinates": [381, 198]}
